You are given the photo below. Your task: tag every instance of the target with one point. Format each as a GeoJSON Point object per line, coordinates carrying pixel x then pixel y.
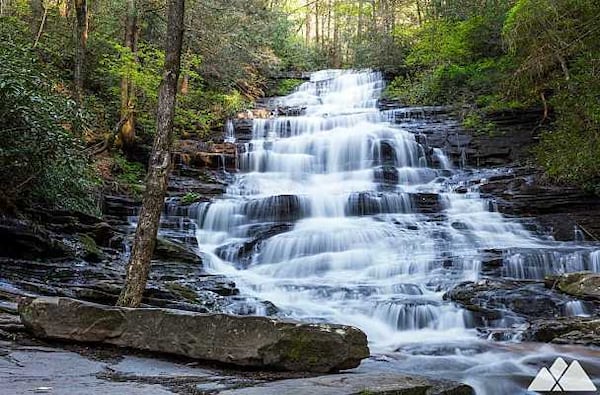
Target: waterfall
{"type": "Point", "coordinates": [229, 132]}
{"type": "Point", "coordinates": [340, 215]}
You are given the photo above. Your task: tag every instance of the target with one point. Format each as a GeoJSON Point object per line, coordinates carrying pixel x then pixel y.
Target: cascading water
{"type": "Point", "coordinates": [338, 215]}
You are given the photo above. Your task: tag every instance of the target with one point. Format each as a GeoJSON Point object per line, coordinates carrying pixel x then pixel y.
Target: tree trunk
{"type": "Point", "coordinates": [308, 22]}
{"type": "Point", "coordinates": [329, 22]}
{"type": "Point", "coordinates": [336, 36]}
{"type": "Point", "coordinates": [160, 163]}
{"type": "Point", "coordinates": [81, 36]}
{"type": "Point", "coordinates": [361, 16]}
{"type": "Point", "coordinates": [127, 131]}
{"type": "Point", "coordinates": [36, 7]}
{"type": "Point", "coordinates": [41, 29]}
{"type": "Point", "coordinates": [317, 23]}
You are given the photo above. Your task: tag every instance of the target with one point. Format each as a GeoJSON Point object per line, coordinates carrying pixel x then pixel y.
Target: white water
{"type": "Point", "coordinates": [358, 250]}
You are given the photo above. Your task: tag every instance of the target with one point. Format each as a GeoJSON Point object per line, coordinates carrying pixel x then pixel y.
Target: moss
{"type": "Point", "coordinates": [184, 291]}
{"type": "Point", "coordinates": [190, 197]}
{"type": "Point", "coordinates": [304, 347]}
{"type": "Point", "coordinates": [91, 251]}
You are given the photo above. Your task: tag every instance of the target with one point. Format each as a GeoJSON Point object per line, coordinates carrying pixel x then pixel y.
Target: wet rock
{"type": "Point", "coordinates": [493, 299]}
{"type": "Point", "coordinates": [168, 250]}
{"type": "Point", "coordinates": [79, 370]}
{"type": "Point", "coordinates": [568, 330]}
{"type": "Point", "coordinates": [386, 175]}
{"type": "Point", "coordinates": [25, 240]}
{"type": "Point", "coordinates": [582, 285]}
{"type": "Point", "coordinates": [199, 154]}
{"type": "Point", "coordinates": [174, 284]}
{"type": "Point", "coordinates": [560, 210]}
{"type": "Point", "coordinates": [290, 111]}
{"type": "Point", "coordinates": [514, 133]}
{"type": "Point", "coordinates": [119, 206]}
{"type": "Point", "coordinates": [491, 260]}
{"type": "Point", "coordinates": [91, 252]}
{"type": "Point", "coordinates": [387, 153]}
{"type": "Point", "coordinates": [241, 252]}
{"type": "Point", "coordinates": [427, 203]}
{"type": "Point", "coordinates": [277, 208]}
{"type": "Point", "coordinates": [459, 225]}
{"type": "Point", "coordinates": [371, 203]}
{"type": "Point", "coordinates": [355, 384]}
{"type": "Point", "coordinates": [243, 129]}
{"type": "Point", "coordinates": [384, 104]}
{"type": "Point", "coordinates": [181, 186]}
{"type": "Point", "coordinates": [245, 341]}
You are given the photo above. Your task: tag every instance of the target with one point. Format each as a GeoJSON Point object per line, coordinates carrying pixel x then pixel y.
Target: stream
{"type": "Point", "coordinates": [341, 215]}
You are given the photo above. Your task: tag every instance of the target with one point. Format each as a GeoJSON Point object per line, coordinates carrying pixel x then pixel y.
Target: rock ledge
{"type": "Point", "coordinates": [248, 341]}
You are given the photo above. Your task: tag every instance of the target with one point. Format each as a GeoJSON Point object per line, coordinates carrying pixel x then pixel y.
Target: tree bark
{"type": "Point", "coordinates": [160, 163]}
{"type": "Point", "coordinates": [81, 36]}
{"type": "Point", "coordinates": [329, 22]}
{"type": "Point", "coordinates": [41, 29]}
{"type": "Point", "coordinates": [308, 22]}
{"type": "Point", "coordinates": [360, 20]}
{"type": "Point", "coordinates": [36, 7]}
{"type": "Point", "coordinates": [127, 131]}
{"type": "Point", "coordinates": [336, 36]}
{"type": "Point", "coordinates": [317, 23]}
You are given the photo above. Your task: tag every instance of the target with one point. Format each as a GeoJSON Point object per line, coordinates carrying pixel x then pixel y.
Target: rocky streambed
{"type": "Point", "coordinates": [475, 310]}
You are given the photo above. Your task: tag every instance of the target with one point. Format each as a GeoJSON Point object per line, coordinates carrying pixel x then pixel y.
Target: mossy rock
{"type": "Point", "coordinates": [183, 291]}
{"type": "Point", "coordinates": [582, 285]}
{"type": "Point", "coordinates": [171, 251]}
{"type": "Point", "coordinates": [90, 250]}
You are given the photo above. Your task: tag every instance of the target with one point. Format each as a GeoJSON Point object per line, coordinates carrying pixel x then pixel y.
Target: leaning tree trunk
{"type": "Point", "coordinates": [160, 163]}
{"type": "Point", "coordinates": [81, 36]}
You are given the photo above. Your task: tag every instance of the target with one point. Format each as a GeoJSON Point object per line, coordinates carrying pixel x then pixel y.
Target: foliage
{"type": "Point", "coordinates": [570, 152]}
{"type": "Point", "coordinates": [129, 174]}
{"type": "Point", "coordinates": [484, 55]}
{"type": "Point", "coordinates": [556, 46]}
{"type": "Point", "coordinates": [41, 161]}
{"type": "Point", "coordinates": [491, 56]}
{"type": "Point", "coordinates": [190, 197]}
{"type": "Point", "coordinates": [287, 86]}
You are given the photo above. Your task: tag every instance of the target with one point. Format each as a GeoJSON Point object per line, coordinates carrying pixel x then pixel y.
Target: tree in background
{"type": "Point", "coordinates": [160, 163]}
{"type": "Point", "coordinates": [81, 36]}
{"type": "Point", "coordinates": [127, 109]}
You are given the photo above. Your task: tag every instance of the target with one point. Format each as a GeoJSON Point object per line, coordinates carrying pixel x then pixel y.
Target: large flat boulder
{"type": "Point", "coordinates": [258, 342]}
{"type": "Point", "coordinates": [357, 384]}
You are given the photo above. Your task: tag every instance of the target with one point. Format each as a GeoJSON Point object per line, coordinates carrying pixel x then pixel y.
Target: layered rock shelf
{"type": "Point", "coordinates": [244, 341]}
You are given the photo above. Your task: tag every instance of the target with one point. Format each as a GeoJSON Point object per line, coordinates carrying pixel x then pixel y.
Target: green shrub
{"type": "Point", "coordinates": [287, 86]}
{"type": "Point", "coordinates": [130, 175]}
{"type": "Point", "coordinates": [41, 161]}
{"type": "Point", "coordinates": [570, 153]}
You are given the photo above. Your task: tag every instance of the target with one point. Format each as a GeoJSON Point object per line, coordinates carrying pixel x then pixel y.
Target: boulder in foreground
{"type": "Point", "coordinates": [357, 384]}
{"type": "Point", "coordinates": [249, 341]}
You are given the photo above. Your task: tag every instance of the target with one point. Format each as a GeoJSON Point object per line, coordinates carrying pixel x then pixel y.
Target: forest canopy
{"type": "Point", "coordinates": [79, 78]}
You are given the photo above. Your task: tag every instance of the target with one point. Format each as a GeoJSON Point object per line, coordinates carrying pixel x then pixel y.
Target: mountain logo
{"type": "Point", "coordinates": [562, 377]}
